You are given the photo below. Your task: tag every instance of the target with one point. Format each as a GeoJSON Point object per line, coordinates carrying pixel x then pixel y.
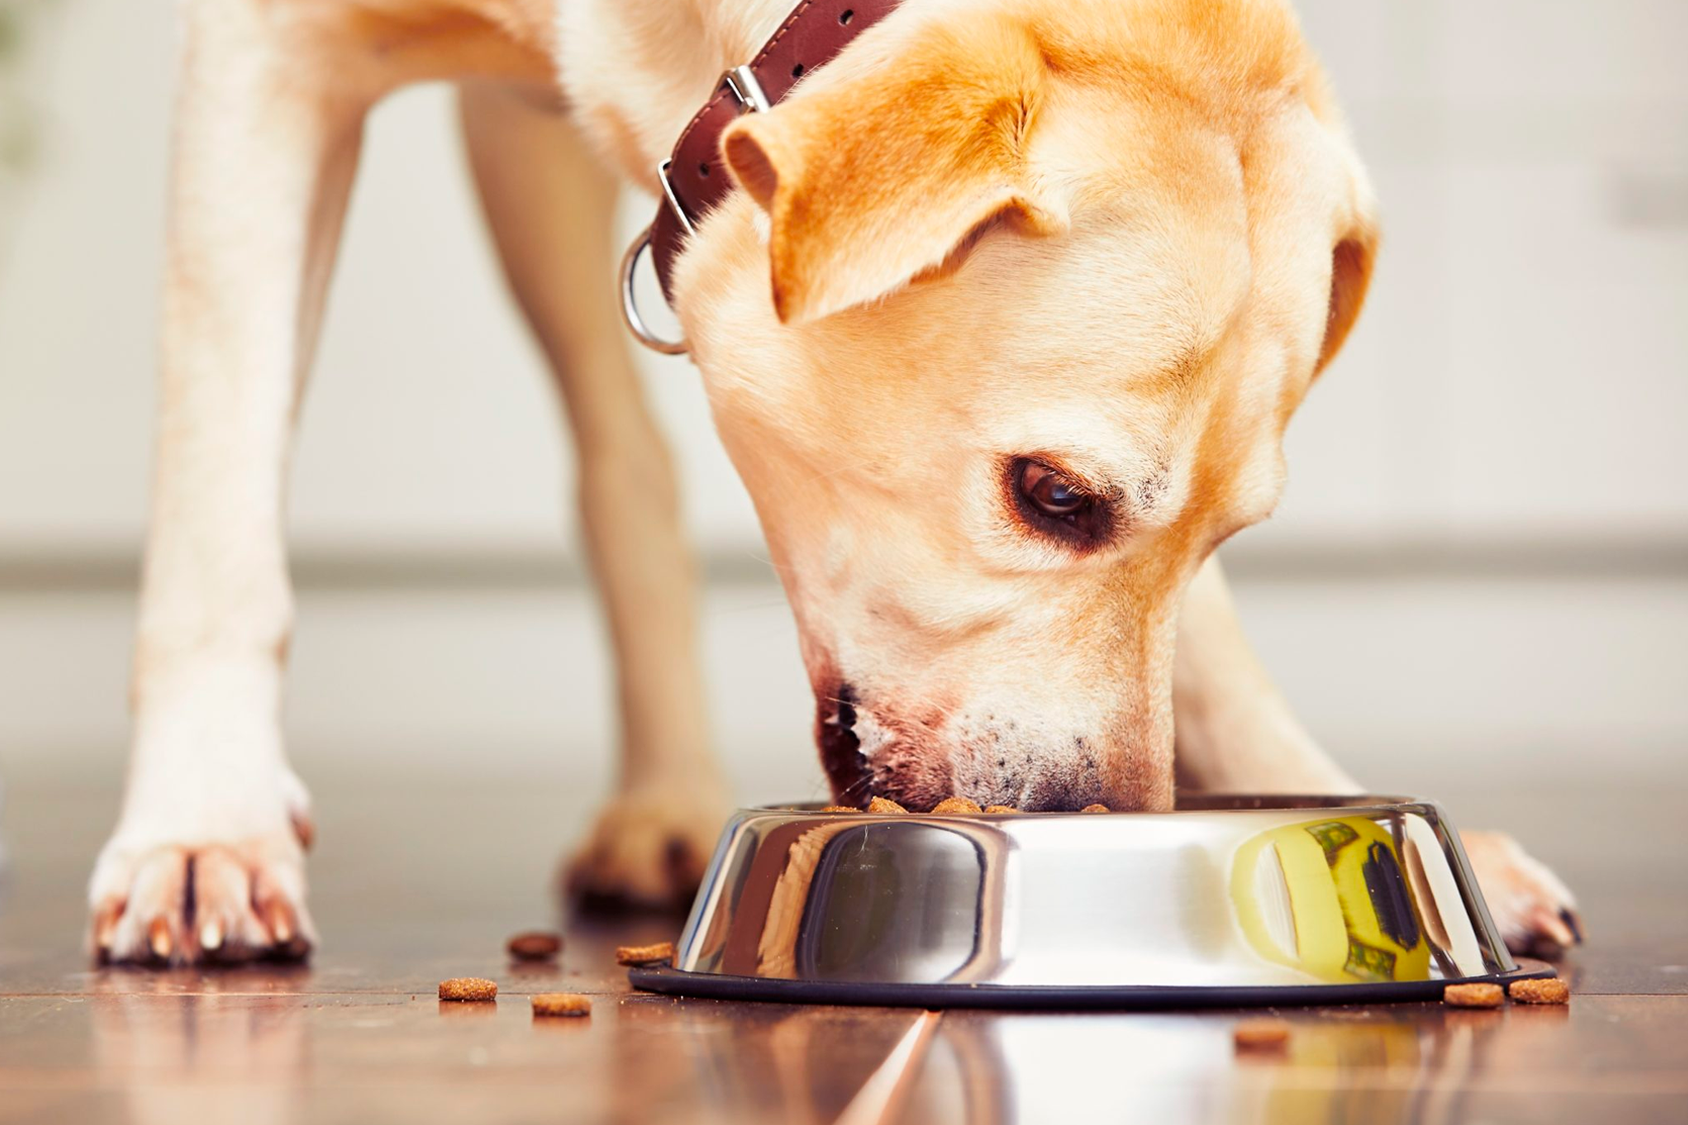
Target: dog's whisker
{"type": "Point", "coordinates": [765, 560]}
{"type": "Point", "coordinates": [856, 788]}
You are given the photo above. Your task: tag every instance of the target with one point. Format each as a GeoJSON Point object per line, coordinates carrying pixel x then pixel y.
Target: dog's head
{"type": "Point", "coordinates": [1046, 285]}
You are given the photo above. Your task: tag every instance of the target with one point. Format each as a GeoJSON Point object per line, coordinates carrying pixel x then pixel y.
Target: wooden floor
{"type": "Point", "coordinates": [425, 881]}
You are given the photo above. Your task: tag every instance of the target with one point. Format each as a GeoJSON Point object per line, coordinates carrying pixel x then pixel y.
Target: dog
{"type": "Point", "coordinates": [1001, 324]}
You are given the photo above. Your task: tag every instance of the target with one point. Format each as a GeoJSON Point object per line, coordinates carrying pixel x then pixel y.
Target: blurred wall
{"type": "Point", "coordinates": [1484, 542]}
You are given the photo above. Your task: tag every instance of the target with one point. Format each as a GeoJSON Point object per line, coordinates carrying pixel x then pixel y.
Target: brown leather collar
{"type": "Point", "coordinates": [693, 179]}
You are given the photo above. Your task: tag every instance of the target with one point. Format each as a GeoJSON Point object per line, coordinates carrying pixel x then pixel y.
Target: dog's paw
{"type": "Point", "coordinates": [648, 849]}
{"type": "Point", "coordinates": [170, 895]}
{"type": "Point", "coordinates": [1536, 913]}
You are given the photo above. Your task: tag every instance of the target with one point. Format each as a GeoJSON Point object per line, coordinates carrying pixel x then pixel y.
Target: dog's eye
{"type": "Point", "coordinates": [1053, 501]}
{"type": "Point", "coordinates": [1050, 492]}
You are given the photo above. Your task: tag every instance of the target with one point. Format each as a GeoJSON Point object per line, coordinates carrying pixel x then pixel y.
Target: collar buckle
{"type": "Point", "coordinates": [742, 84]}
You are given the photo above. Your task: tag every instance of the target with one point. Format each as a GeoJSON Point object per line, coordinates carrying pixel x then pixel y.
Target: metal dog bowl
{"type": "Point", "coordinates": [1229, 900]}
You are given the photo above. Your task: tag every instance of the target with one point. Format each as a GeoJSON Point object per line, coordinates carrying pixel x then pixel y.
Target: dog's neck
{"type": "Point", "coordinates": [636, 71]}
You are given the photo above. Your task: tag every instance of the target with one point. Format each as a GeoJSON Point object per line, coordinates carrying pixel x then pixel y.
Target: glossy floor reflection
{"type": "Point", "coordinates": [1625, 1056]}
{"type": "Point", "coordinates": [425, 881]}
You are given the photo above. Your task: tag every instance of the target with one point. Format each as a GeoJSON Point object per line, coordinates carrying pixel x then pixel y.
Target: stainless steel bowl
{"type": "Point", "coordinates": [1229, 900]}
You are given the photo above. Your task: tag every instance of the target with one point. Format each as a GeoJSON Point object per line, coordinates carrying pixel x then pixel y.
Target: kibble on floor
{"type": "Point", "coordinates": [644, 954]}
{"type": "Point", "coordinates": [468, 988]}
{"type": "Point", "coordinates": [1542, 991]}
{"type": "Point", "coordinates": [535, 945]}
{"type": "Point", "coordinates": [561, 1004]}
{"type": "Point", "coordinates": [1480, 995]}
{"type": "Point", "coordinates": [1260, 1035]}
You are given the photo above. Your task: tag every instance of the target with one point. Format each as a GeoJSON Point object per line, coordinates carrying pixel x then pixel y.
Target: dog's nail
{"type": "Point", "coordinates": [281, 923]}
{"type": "Point", "coordinates": [1572, 923]}
{"type": "Point", "coordinates": [1555, 931]}
{"type": "Point", "coordinates": [105, 928]}
{"type": "Point", "coordinates": [305, 829]}
{"type": "Point", "coordinates": [158, 937]}
{"type": "Point", "coordinates": [211, 935]}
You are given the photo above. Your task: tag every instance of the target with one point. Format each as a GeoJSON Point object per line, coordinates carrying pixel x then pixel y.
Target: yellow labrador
{"type": "Point", "coordinates": [1002, 324]}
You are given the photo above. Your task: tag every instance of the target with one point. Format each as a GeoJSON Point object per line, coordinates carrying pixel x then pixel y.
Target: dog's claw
{"type": "Point", "coordinates": [1551, 937]}
{"type": "Point", "coordinates": [1559, 931]}
{"type": "Point", "coordinates": [304, 828]}
{"type": "Point", "coordinates": [284, 929]}
{"type": "Point", "coordinates": [159, 940]}
{"type": "Point", "coordinates": [175, 904]}
{"type": "Point", "coordinates": [289, 942]}
{"type": "Point", "coordinates": [281, 926]}
{"type": "Point", "coordinates": [105, 927]}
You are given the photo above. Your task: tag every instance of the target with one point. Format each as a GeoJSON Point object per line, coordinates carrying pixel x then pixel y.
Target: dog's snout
{"type": "Point", "coordinates": [840, 746]}
{"type": "Point", "coordinates": [844, 707]}
{"type": "Point", "coordinates": [919, 751]}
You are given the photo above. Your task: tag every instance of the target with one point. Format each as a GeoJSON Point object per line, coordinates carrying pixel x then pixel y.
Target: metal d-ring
{"type": "Point", "coordinates": [630, 305]}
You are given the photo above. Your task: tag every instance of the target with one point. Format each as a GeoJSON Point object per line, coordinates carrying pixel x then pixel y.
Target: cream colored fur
{"type": "Point", "coordinates": [1136, 269]}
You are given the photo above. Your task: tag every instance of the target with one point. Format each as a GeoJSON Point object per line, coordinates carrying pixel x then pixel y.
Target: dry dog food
{"type": "Point", "coordinates": [1550, 991]}
{"type": "Point", "coordinates": [841, 808]}
{"type": "Point", "coordinates": [1001, 809]}
{"type": "Point", "coordinates": [956, 805]}
{"type": "Point", "coordinates": [561, 1004]}
{"type": "Point", "coordinates": [468, 988]}
{"type": "Point", "coordinates": [1096, 808]}
{"type": "Point", "coordinates": [1260, 1035]}
{"type": "Point", "coordinates": [534, 945]}
{"type": "Point", "coordinates": [881, 805]}
{"type": "Point", "coordinates": [644, 954]}
{"type": "Point", "coordinates": [1473, 995]}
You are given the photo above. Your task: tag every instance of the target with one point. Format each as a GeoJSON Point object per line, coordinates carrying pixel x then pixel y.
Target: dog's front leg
{"type": "Point", "coordinates": [1236, 732]}
{"type": "Point", "coordinates": [207, 856]}
{"type": "Point", "coordinates": [550, 205]}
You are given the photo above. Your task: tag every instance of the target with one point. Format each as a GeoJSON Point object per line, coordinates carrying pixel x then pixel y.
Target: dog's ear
{"type": "Point", "coordinates": [1350, 270]}
{"type": "Point", "coordinates": [881, 177]}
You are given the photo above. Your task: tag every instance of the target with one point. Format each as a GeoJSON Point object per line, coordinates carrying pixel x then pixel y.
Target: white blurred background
{"type": "Point", "coordinates": [1481, 564]}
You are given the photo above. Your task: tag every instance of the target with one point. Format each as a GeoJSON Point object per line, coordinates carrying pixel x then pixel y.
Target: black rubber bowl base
{"type": "Point", "coordinates": [718, 986]}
